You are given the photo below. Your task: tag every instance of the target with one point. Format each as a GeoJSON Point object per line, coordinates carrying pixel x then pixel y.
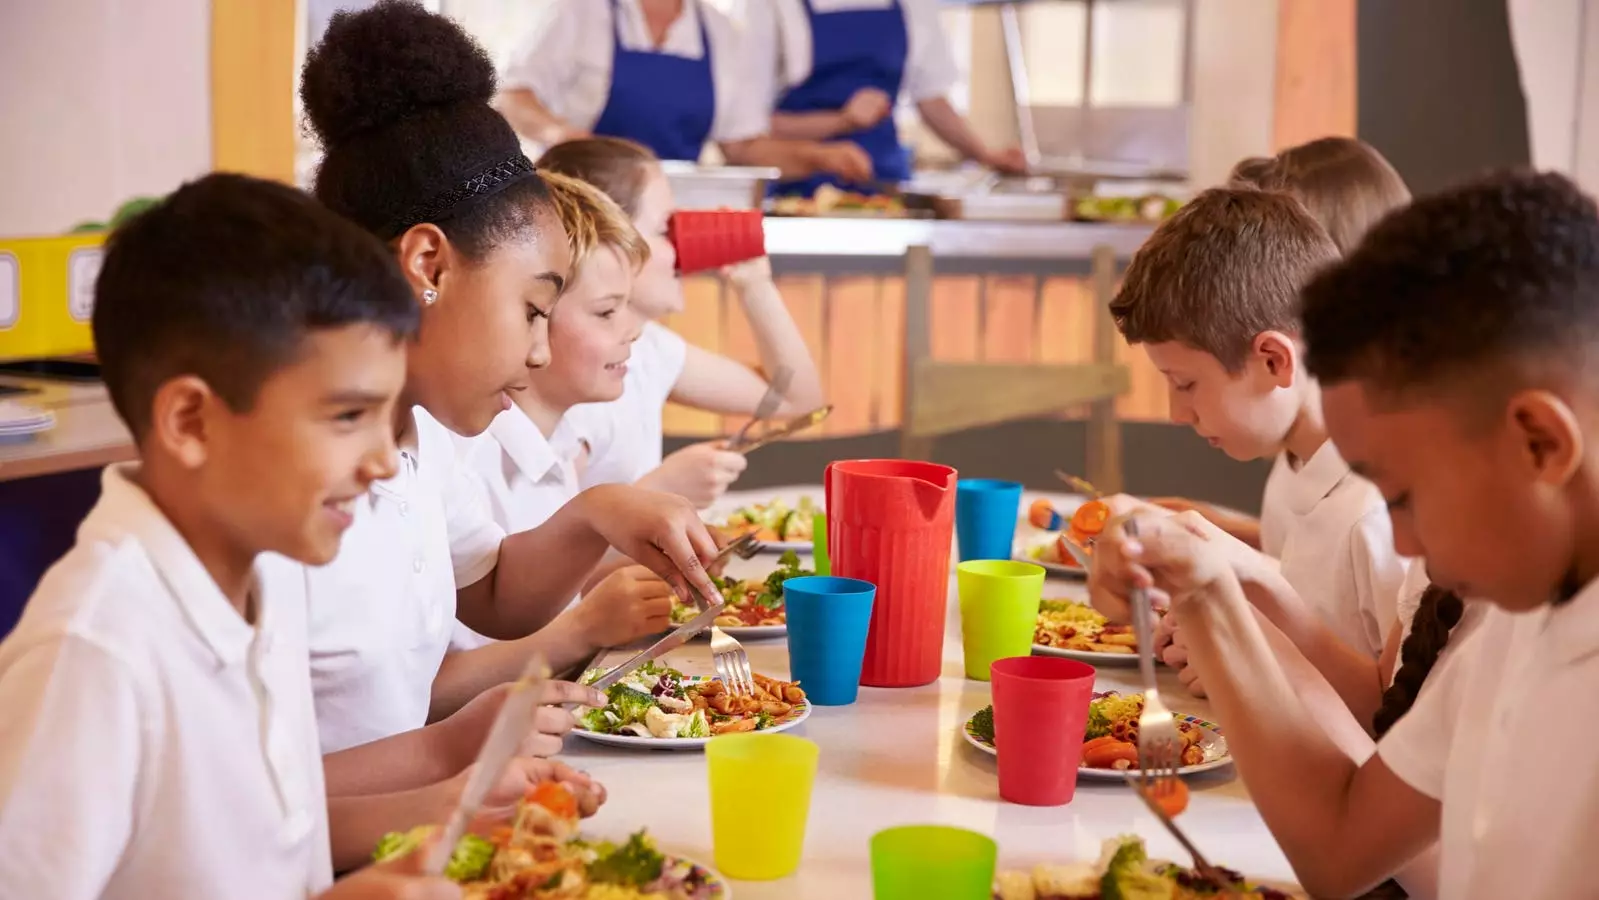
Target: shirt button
{"type": "Point", "coordinates": [416, 564]}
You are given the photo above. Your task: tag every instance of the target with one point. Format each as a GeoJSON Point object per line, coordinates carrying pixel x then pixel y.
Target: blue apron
{"type": "Point", "coordinates": [665, 102]}
{"type": "Point", "coordinates": [850, 50]}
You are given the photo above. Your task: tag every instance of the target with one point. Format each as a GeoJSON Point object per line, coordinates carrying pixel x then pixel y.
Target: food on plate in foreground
{"type": "Point", "coordinates": [750, 603]}
{"type": "Point", "coordinates": [1070, 625]}
{"type": "Point", "coordinates": [1124, 871]}
{"type": "Point", "coordinates": [659, 702]}
{"type": "Point", "coordinates": [1110, 740]}
{"type": "Point", "coordinates": [540, 856]}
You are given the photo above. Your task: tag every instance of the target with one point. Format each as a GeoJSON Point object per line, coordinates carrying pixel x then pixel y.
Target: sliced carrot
{"type": "Point", "coordinates": [1106, 755]}
{"type": "Point", "coordinates": [555, 797]}
{"type": "Point", "coordinates": [1090, 518]}
{"type": "Point", "coordinates": [1171, 795]}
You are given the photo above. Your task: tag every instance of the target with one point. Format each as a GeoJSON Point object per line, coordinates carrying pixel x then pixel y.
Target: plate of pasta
{"type": "Point", "coordinates": [660, 708]}
{"type": "Point", "coordinates": [1110, 740]}
{"type": "Point", "coordinates": [755, 607]}
{"type": "Point", "coordinates": [1077, 631]}
{"type": "Point", "coordinates": [1124, 869]}
{"type": "Point", "coordinates": [777, 524]}
{"type": "Point", "coordinates": [541, 855]}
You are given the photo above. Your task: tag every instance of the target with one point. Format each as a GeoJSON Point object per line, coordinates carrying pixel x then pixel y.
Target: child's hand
{"type": "Point", "coordinates": [1173, 558]}
{"type": "Point", "coordinates": [1124, 505]}
{"type": "Point", "coordinates": [658, 530]}
{"type": "Point", "coordinates": [628, 604]}
{"type": "Point", "coordinates": [465, 731]}
{"type": "Point", "coordinates": [700, 473]}
{"type": "Point", "coordinates": [750, 274]}
{"type": "Point", "coordinates": [1173, 651]}
{"type": "Point", "coordinates": [521, 775]}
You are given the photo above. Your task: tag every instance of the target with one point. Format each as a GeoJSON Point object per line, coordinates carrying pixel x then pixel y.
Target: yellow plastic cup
{"type": "Point", "coordinates": [760, 800]}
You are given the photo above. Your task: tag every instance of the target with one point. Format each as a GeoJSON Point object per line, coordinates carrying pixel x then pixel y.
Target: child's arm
{"type": "Point", "coordinates": [1245, 528]}
{"type": "Point", "coordinates": [1344, 827]}
{"type": "Point", "coordinates": [713, 382]}
{"type": "Point", "coordinates": [540, 570]}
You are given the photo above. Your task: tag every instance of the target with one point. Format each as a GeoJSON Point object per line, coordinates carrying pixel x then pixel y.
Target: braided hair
{"type": "Point", "coordinates": [1437, 615]}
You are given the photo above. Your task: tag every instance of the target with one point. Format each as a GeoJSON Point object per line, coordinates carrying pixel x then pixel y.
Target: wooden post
{"type": "Point", "coordinates": [1104, 431]}
{"type": "Point", "coordinates": [918, 347]}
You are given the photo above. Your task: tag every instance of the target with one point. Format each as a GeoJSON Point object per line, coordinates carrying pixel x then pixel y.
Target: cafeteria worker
{"type": "Point", "coordinates": [668, 74]}
{"type": "Point", "coordinates": [841, 66]}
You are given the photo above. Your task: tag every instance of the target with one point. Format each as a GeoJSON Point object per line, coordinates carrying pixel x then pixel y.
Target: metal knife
{"type": "Point", "coordinates": [776, 390]}
{"type": "Point", "coordinates": [505, 735]}
{"type": "Point", "coordinates": [677, 638]}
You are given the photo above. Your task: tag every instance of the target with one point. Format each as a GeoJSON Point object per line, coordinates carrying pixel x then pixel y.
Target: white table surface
{"type": "Point", "coordinates": [897, 757]}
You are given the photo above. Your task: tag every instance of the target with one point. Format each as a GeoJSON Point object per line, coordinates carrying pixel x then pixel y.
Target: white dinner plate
{"type": "Point", "coordinates": [802, 711]}
{"type": "Point", "coordinates": [1092, 657]}
{"type": "Point", "coordinates": [1213, 743]}
{"type": "Point", "coordinates": [1026, 546]}
{"type": "Point", "coordinates": [752, 632]}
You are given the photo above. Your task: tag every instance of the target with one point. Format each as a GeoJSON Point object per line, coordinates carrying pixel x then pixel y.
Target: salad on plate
{"type": "Point", "coordinates": [1124, 871]}
{"type": "Point", "coordinates": [775, 521]}
{"type": "Point", "coordinates": [541, 856]}
{"type": "Point", "coordinates": [662, 703]}
{"type": "Point", "coordinates": [751, 603]}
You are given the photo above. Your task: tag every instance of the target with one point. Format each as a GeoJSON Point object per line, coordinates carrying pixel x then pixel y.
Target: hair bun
{"type": "Point", "coordinates": [375, 67]}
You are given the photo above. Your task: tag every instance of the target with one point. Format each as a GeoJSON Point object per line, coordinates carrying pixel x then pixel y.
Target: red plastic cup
{"type": "Point", "coordinates": [891, 522]}
{"type": "Point", "coordinates": [1040, 713]}
{"type": "Point", "coordinates": [712, 238]}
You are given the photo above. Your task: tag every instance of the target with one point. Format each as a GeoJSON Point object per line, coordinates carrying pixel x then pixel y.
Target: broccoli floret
{"type": "Point", "coordinates": [635, 863]}
{"type": "Point", "coordinates": [469, 862]}
{"type": "Point", "coordinates": [630, 704]}
{"type": "Point", "coordinates": [1098, 723]}
{"type": "Point", "coordinates": [396, 844]}
{"type": "Point", "coordinates": [788, 566]}
{"type": "Point", "coordinates": [471, 859]}
{"type": "Point", "coordinates": [591, 676]}
{"type": "Point", "coordinates": [763, 721]}
{"type": "Point", "coordinates": [595, 720]}
{"type": "Point", "coordinates": [983, 724]}
{"type": "Point", "coordinates": [1127, 878]}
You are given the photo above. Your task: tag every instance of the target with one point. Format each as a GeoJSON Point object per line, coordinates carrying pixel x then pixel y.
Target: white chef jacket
{"type": "Point", "coordinates": [567, 63]}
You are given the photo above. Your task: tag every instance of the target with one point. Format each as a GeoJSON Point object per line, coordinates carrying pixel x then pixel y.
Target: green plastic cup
{"type": "Point", "coordinates": [824, 565]}
{"type": "Point", "coordinates": [932, 862]}
{"type": "Point", "coordinates": [999, 610]}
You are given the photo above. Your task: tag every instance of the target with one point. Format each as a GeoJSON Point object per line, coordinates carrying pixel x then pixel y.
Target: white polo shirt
{"type": "Point", "coordinates": [526, 477]}
{"type": "Point", "coordinates": [624, 435]}
{"type": "Point", "coordinates": [779, 34]}
{"type": "Point", "coordinates": [566, 63]}
{"type": "Point", "coordinates": [153, 743]}
{"type": "Point", "coordinates": [1500, 735]}
{"type": "Point", "coordinates": [1275, 514]}
{"type": "Point", "coordinates": [382, 613]}
{"type": "Point", "coordinates": [1338, 549]}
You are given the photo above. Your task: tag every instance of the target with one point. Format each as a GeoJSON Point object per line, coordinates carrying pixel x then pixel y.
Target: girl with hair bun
{"type": "Point", "coordinates": [399, 98]}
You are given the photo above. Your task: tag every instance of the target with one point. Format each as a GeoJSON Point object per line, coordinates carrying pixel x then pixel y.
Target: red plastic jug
{"type": "Point", "coordinates": [891, 522]}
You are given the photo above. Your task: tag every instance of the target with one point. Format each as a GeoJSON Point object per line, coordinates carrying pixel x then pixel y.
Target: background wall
{"type": "Point", "coordinates": [100, 100]}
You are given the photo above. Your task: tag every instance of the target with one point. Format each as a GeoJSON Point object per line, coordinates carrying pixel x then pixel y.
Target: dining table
{"type": "Point", "coordinates": [898, 756]}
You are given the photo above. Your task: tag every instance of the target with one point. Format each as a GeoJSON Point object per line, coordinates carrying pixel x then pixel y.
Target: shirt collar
{"type": "Point", "coordinates": [126, 511]}
{"type": "Point", "coordinates": [1571, 629]}
{"type": "Point", "coordinates": [1314, 479]}
{"type": "Point", "coordinates": [524, 443]}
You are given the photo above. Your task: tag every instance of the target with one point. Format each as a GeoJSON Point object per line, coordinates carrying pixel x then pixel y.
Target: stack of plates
{"type": "Point", "coordinates": [19, 420]}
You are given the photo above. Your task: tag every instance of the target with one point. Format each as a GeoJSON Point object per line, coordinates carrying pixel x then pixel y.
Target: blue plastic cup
{"type": "Point", "coordinates": [828, 618]}
{"type": "Point", "coordinates": [985, 517]}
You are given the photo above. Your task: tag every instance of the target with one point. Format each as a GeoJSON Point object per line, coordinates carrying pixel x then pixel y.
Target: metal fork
{"type": "Point", "coordinates": [732, 663]}
{"type": "Point", "coordinates": [1142, 786]}
{"type": "Point", "coordinates": [1159, 745]}
{"type": "Point", "coordinates": [770, 401]}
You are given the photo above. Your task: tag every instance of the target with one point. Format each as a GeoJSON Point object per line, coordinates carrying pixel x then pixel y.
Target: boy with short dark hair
{"type": "Point", "coordinates": [1455, 348]}
{"type": "Point", "coordinates": [1213, 298]}
{"type": "Point", "coordinates": [157, 736]}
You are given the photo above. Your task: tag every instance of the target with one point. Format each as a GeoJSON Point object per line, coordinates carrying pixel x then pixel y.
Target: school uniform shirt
{"type": "Point", "coordinates": [1416, 582]}
{"type": "Point", "coordinates": [526, 477]}
{"type": "Point", "coordinates": [1275, 514]}
{"type": "Point", "coordinates": [153, 743]}
{"type": "Point", "coordinates": [1338, 550]}
{"type": "Point", "coordinates": [779, 30]}
{"type": "Point", "coordinates": [568, 64]}
{"type": "Point", "coordinates": [624, 435]}
{"type": "Point", "coordinates": [1499, 735]}
{"type": "Point", "coordinates": [382, 613]}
